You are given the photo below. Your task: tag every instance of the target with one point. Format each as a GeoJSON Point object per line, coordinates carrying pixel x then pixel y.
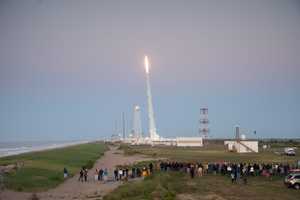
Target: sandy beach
{"type": "Point", "coordinates": [73, 189]}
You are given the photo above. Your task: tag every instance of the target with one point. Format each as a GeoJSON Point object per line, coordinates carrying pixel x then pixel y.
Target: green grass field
{"type": "Point", "coordinates": [43, 170]}
{"type": "Point", "coordinates": [212, 153]}
{"type": "Point", "coordinates": [179, 186]}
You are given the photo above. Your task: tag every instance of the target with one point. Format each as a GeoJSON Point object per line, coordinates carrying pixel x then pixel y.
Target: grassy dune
{"type": "Point", "coordinates": [44, 170]}
{"type": "Point", "coordinates": [179, 186]}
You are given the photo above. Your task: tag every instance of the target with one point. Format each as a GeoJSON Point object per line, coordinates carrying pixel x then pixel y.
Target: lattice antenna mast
{"type": "Point", "coordinates": [204, 122]}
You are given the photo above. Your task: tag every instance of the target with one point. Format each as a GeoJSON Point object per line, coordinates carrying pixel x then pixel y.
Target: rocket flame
{"type": "Point", "coordinates": [146, 64]}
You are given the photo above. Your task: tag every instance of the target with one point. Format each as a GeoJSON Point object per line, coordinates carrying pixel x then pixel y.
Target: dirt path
{"type": "Point", "coordinates": [73, 189]}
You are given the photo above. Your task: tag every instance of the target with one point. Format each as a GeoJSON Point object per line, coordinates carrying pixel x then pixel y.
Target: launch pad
{"type": "Point", "coordinates": [136, 136]}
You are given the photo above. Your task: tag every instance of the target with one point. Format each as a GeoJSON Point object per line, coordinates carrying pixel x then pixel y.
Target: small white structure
{"type": "Point", "coordinates": [242, 146]}
{"type": "Point", "coordinates": [189, 142]}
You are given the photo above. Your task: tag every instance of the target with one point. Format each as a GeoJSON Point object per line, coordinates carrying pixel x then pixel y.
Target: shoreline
{"type": "Point", "coordinates": [43, 170]}
{"type": "Point", "coordinates": [13, 151]}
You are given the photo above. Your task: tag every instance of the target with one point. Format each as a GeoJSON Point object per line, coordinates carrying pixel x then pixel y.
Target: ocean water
{"type": "Point", "coordinates": [15, 148]}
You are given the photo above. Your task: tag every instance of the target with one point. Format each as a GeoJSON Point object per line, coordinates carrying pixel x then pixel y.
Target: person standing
{"type": "Point", "coordinates": [101, 174]}
{"type": "Point", "coordinates": [116, 174]}
{"type": "Point", "coordinates": [244, 176]}
{"type": "Point", "coordinates": [138, 172]}
{"type": "Point", "coordinates": [229, 169]}
{"type": "Point", "coordinates": [81, 173]}
{"type": "Point", "coordinates": [238, 172]}
{"type": "Point", "coordinates": [232, 177]}
{"type": "Point", "coordinates": [126, 172]}
{"type": "Point", "coordinates": [151, 168]}
{"type": "Point", "coordinates": [252, 171]}
{"type": "Point", "coordinates": [85, 174]}
{"type": "Point", "coordinates": [120, 174]}
{"type": "Point", "coordinates": [200, 171]}
{"type": "Point", "coordinates": [96, 175]}
{"type": "Point", "coordinates": [144, 172]}
{"type": "Point", "coordinates": [192, 171]}
{"type": "Point", "coordinates": [133, 172]}
{"type": "Point", "coordinates": [65, 173]}
{"type": "Point", "coordinates": [105, 175]}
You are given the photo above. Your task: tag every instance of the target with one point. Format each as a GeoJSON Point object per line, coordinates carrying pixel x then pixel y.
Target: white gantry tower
{"type": "Point", "coordinates": [152, 127]}
{"type": "Point", "coordinates": [137, 124]}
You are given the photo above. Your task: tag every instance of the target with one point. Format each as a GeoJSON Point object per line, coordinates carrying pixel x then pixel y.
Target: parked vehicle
{"type": "Point", "coordinates": [289, 151]}
{"type": "Point", "coordinates": [293, 180]}
{"type": "Point", "coordinates": [294, 171]}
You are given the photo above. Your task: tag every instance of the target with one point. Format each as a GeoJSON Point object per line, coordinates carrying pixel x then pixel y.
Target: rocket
{"type": "Point", "coordinates": [146, 65]}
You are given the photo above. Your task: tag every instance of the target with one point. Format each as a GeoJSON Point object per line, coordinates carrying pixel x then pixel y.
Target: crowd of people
{"type": "Point", "coordinates": [235, 171]}
{"type": "Point", "coordinates": [119, 174]}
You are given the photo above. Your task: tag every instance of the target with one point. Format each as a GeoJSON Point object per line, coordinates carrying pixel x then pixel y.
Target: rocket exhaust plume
{"type": "Point", "coordinates": [152, 126]}
{"type": "Point", "coordinates": [147, 64]}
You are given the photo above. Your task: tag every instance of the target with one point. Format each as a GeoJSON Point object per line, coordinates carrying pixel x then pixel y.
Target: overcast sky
{"type": "Point", "coordinates": [68, 69]}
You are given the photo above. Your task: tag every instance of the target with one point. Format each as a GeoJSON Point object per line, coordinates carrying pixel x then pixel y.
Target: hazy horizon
{"type": "Point", "coordinates": [69, 69]}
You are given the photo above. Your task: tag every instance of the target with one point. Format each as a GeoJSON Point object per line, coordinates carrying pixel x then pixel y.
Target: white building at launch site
{"type": "Point", "coordinates": [240, 144]}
